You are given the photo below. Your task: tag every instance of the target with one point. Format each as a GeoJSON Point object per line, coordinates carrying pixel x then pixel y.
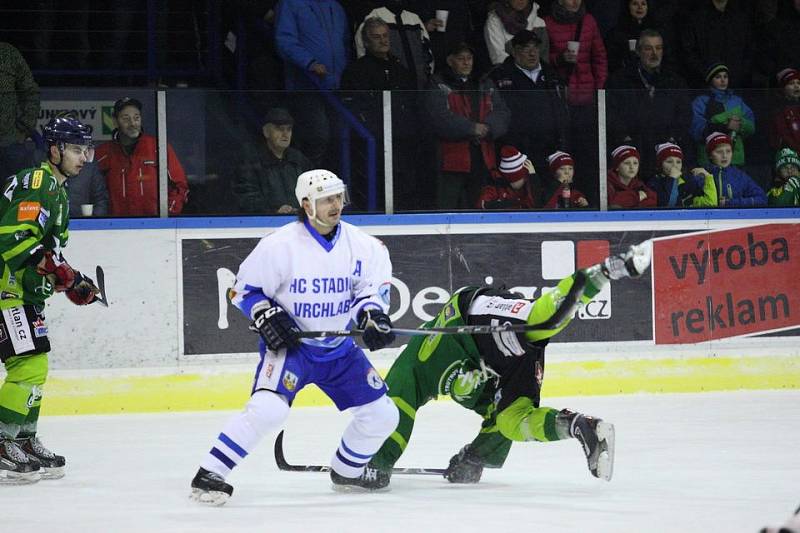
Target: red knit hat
{"type": "Point", "coordinates": [512, 164]}
{"type": "Point", "coordinates": [787, 75]}
{"type": "Point", "coordinates": [715, 139]}
{"type": "Point", "coordinates": [559, 159]}
{"type": "Point", "coordinates": [621, 153]}
{"type": "Point", "coordinates": [666, 150]}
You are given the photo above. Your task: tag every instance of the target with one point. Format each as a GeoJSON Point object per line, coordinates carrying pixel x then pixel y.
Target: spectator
{"type": "Point", "coordinates": [129, 163]}
{"type": "Point", "coordinates": [625, 189]}
{"type": "Point", "coordinates": [785, 189]}
{"type": "Point", "coordinates": [621, 43]}
{"type": "Point", "coordinates": [718, 31]}
{"type": "Point", "coordinates": [512, 190]}
{"type": "Point", "coordinates": [88, 187]}
{"type": "Point", "coordinates": [647, 102]}
{"type": "Point", "coordinates": [785, 127]}
{"type": "Point", "coordinates": [19, 107]}
{"type": "Point", "coordinates": [782, 47]}
{"type": "Point", "coordinates": [586, 70]}
{"type": "Point", "coordinates": [673, 188]}
{"type": "Point", "coordinates": [721, 110]}
{"type": "Point", "coordinates": [559, 189]}
{"type": "Point", "coordinates": [537, 101]}
{"type": "Point", "coordinates": [507, 19]}
{"type": "Point", "coordinates": [378, 68]}
{"type": "Point", "coordinates": [458, 27]}
{"type": "Point", "coordinates": [267, 176]}
{"type": "Point", "coordinates": [582, 71]}
{"type": "Point", "coordinates": [734, 187]}
{"type": "Point", "coordinates": [313, 39]}
{"type": "Point", "coordinates": [409, 40]}
{"type": "Point", "coordinates": [467, 114]}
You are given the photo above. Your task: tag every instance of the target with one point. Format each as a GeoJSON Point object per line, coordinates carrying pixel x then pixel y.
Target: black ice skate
{"type": "Point", "coordinates": [630, 264]}
{"type": "Point", "coordinates": [16, 466]}
{"type": "Point", "coordinates": [52, 464]}
{"type": "Point", "coordinates": [210, 488]}
{"type": "Point", "coordinates": [596, 438]}
{"type": "Point", "coordinates": [371, 480]}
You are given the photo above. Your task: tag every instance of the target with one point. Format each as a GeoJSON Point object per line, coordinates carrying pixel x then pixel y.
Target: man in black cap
{"type": "Point", "coordinates": [535, 96]}
{"type": "Point", "coordinates": [467, 115]}
{"type": "Point", "coordinates": [267, 177]}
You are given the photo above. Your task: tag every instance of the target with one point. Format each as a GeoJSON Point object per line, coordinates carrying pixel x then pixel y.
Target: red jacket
{"type": "Point", "coordinates": [575, 195]}
{"type": "Point", "coordinates": [785, 128]}
{"type": "Point", "coordinates": [503, 196]}
{"type": "Point", "coordinates": [132, 181]}
{"type": "Point", "coordinates": [591, 70]}
{"type": "Point", "coordinates": [621, 195]}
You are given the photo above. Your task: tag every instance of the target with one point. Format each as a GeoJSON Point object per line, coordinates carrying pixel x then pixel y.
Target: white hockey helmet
{"type": "Point", "coordinates": [316, 184]}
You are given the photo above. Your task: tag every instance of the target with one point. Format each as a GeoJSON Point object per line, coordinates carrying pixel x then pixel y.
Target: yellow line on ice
{"type": "Point", "coordinates": [201, 392]}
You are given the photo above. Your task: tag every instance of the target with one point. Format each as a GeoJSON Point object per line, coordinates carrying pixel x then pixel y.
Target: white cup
{"type": "Point", "coordinates": [441, 14]}
{"type": "Point", "coordinates": [86, 209]}
{"type": "Point", "coordinates": [573, 46]}
{"type": "Point", "coordinates": [632, 45]}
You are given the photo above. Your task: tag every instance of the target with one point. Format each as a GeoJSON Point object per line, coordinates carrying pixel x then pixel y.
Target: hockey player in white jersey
{"type": "Point", "coordinates": [318, 273]}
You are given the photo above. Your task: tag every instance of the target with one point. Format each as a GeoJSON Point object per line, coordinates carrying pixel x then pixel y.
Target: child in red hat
{"type": "Point", "coordinates": [784, 129]}
{"type": "Point", "coordinates": [513, 189]}
{"type": "Point", "coordinates": [625, 189]}
{"type": "Point", "coordinates": [673, 188]}
{"type": "Point", "coordinates": [560, 191]}
{"type": "Point", "coordinates": [734, 187]}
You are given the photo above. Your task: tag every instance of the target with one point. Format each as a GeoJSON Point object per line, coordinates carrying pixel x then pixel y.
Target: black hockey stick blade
{"type": "Point", "coordinates": [101, 284]}
{"type": "Point", "coordinates": [280, 460]}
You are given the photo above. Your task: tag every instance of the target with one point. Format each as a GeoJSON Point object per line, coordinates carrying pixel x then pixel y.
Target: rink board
{"type": "Point", "coordinates": [169, 337]}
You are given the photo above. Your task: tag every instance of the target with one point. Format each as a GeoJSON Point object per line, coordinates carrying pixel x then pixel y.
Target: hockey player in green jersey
{"type": "Point", "coordinates": [34, 217]}
{"type": "Point", "coordinates": [499, 376]}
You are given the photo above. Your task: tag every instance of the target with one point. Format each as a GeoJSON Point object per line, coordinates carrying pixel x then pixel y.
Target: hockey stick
{"type": "Point", "coordinates": [566, 309]}
{"type": "Point", "coordinates": [280, 459]}
{"type": "Point", "coordinates": [101, 284]}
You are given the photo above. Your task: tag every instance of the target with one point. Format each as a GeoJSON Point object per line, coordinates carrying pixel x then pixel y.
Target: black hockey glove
{"type": "Point", "coordinates": [276, 327]}
{"type": "Point", "coordinates": [377, 329]}
{"type": "Point", "coordinates": [464, 467]}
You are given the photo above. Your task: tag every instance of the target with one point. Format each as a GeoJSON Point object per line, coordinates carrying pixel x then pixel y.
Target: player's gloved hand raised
{"type": "Point", "coordinates": [464, 467]}
{"type": "Point", "coordinates": [56, 270]}
{"type": "Point", "coordinates": [275, 326]}
{"type": "Point", "coordinates": [377, 328]}
{"type": "Point", "coordinates": [83, 290]}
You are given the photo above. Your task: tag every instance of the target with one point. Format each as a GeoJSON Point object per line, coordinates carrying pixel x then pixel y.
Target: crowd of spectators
{"type": "Point", "coordinates": [495, 102]}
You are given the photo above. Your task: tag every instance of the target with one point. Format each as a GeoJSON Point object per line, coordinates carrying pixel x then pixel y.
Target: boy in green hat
{"type": "Point", "coordinates": [785, 189]}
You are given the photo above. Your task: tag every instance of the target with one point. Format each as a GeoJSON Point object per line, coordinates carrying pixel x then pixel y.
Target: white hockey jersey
{"type": "Point", "coordinates": [322, 284]}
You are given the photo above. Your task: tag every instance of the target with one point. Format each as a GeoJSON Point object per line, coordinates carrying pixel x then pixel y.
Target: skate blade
{"type": "Point", "coordinates": [53, 473]}
{"type": "Point", "coordinates": [19, 478]}
{"type": "Point", "coordinates": [355, 489]}
{"type": "Point", "coordinates": [213, 498]}
{"type": "Point", "coordinates": [605, 461]}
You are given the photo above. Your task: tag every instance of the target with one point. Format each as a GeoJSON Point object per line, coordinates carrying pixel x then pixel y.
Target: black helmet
{"type": "Point", "coordinates": [67, 130]}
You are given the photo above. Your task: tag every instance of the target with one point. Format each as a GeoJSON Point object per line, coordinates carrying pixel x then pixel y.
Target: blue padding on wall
{"type": "Point", "coordinates": [757, 215]}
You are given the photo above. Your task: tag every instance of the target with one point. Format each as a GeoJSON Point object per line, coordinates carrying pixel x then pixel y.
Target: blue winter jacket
{"type": "Point", "coordinates": [737, 187]}
{"type": "Point", "coordinates": [309, 31]}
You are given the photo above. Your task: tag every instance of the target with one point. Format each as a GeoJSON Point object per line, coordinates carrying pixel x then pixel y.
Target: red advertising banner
{"type": "Point", "coordinates": [728, 283]}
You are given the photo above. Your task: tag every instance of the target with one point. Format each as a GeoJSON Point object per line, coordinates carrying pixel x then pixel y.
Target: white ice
{"type": "Point", "coordinates": [715, 462]}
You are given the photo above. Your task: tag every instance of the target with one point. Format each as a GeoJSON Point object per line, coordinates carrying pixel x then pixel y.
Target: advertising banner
{"type": "Point", "coordinates": [427, 269]}
{"type": "Point", "coordinates": [731, 283]}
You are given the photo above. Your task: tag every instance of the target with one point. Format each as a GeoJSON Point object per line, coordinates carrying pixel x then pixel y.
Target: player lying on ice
{"type": "Point", "coordinates": [499, 376]}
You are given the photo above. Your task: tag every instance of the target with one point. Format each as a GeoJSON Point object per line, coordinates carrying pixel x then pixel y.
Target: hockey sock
{"type": "Point", "coordinates": [521, 421]}
{"type": "Point", "coordinates": [371, 424]}
{"type": "Point", "coordinates": [395, 445]}
{"type": "Point", "coordinates": [265, 412]}
{"type": "Point", "coordinates": [21, 393]}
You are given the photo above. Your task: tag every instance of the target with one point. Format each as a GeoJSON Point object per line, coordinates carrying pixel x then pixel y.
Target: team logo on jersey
{"type": "Point", "coordinates": [384, 291]}
{"type": "Point", "coordinates": [37, 179]}
{"type": "Point", "coordinates": [449, 311]}
{"type": "Point", "coordinates": [28, 211]}
{"type": "Point", "coordinates": [374, 379]}
{"type": "Point", "coordinates": [39, 328]}
{"type": "Point", "coordinates": [289, 381]}
{"type": "Point", "coordinates": [44, 216]}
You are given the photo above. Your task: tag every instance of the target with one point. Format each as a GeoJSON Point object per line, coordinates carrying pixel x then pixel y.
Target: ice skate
{"type": "Point", "coordinates": [52, 465]}
{"type": "Point", "coordinates": [630, 264]}
{"type": "Point", "coordinates": [210, 488]}
{"type": "Point", "coordinates": [16, 466]}
{"type": "Point", "coordinates": [371, 480]}
{"type": "Point", "coordinates": [596, 438]}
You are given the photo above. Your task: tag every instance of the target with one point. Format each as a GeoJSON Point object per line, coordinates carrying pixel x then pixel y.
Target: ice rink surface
{"type": "Point", "coordinates": [714, 462]}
